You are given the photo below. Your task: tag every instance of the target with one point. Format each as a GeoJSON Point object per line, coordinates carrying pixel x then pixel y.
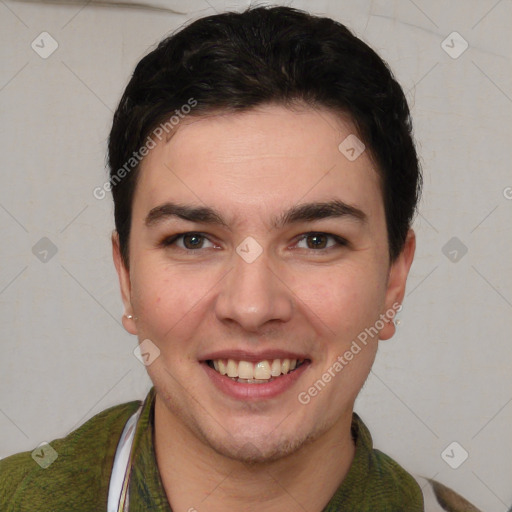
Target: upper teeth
{"type": "Point", "coordinates": [263, 370]}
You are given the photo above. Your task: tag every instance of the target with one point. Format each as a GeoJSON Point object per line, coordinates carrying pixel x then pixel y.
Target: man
{"type": "Point", "coordinates": [265, 180]}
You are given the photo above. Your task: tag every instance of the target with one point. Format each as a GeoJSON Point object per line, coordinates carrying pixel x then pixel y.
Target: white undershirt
{"type": "Point", "coordinates": [122, 466]}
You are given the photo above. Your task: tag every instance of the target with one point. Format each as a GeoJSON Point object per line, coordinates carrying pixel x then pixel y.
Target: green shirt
{"type": "Point", "coordinates": [78, 479]}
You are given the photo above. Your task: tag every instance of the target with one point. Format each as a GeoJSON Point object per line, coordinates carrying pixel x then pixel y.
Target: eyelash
{"type": "Point", "coordinates": [340, 242]}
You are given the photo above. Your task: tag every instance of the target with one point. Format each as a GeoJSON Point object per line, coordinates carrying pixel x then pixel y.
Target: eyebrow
{"type": "Point", "coordinates": [306, 212]}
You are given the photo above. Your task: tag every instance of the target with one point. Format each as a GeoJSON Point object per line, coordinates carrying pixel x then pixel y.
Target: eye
{"type": "Point", "coordinates": [188, 241]}
{"type": "Point", "coordinates": [319, 241]}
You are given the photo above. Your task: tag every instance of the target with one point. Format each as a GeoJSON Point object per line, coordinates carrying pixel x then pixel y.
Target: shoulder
{"type": "Point", "coordinates": [71, 473]}
{"type": "Point", "coordinates": [393, 480]}
{"type": "Point", "coordinates": [387, 482]}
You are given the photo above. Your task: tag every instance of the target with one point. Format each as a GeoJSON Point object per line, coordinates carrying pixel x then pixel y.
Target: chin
{"type": "Point", "coordinates": [253, 452]}
{"type": "Point", "coordinates": [261, 448]}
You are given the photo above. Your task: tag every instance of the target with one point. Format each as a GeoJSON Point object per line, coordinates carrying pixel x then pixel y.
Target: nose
{"type": "Point", "coordinates": [253, 295]}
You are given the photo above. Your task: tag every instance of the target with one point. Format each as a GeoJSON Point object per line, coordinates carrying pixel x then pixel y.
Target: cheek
{"type": "Point", "coordinates": [346, 298]}
{"type": "Point", "coordinates": [165, 301]}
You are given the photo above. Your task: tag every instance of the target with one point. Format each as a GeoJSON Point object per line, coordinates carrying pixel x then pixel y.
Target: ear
{"type": "Point", "coordinates": [124, 282]}
{"type": "Point", "coordinates": [397, 279]}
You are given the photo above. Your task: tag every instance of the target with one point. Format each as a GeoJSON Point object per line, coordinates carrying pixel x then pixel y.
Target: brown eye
{"type": "Point", "coordinates": [319, 241]}
{"type": "Point", "coordinates": [187, 241]}
{"type": "Point", "coordinates": [316, 241]}
{"type": "Point", "coordinates": [193, 241]}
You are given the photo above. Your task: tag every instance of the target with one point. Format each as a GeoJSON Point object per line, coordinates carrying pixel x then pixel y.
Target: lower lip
{"type": "Point", "coordinates": [244, 391]}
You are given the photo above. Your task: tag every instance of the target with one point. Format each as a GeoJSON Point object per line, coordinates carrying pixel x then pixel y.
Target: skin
{"type": "Point", "coordinates": [215, 452]}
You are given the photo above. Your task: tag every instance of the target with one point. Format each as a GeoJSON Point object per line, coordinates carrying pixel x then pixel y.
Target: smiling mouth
{"type": "Point", "coordinates": [262, 372]}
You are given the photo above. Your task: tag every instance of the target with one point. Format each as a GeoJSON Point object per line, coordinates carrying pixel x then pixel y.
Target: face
{"type": "Point", "coordinates": [257, 247]}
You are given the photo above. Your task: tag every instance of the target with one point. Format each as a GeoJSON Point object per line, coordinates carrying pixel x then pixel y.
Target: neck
{"type": "Point", "coordinates": [195, 477]}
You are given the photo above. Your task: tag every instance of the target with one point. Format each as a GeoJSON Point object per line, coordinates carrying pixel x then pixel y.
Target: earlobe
{"type": "Point", "coordinates": [396, 284]}
{"type": "Point", "coordinates": [125, 285]}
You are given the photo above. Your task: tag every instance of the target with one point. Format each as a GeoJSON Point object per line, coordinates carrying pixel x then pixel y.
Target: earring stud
{"type": "Point", "coordinates": [129, 316]}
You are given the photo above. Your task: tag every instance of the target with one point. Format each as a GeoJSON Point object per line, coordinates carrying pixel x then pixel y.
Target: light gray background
{"type": "Point", "coordinates": [444, 377]}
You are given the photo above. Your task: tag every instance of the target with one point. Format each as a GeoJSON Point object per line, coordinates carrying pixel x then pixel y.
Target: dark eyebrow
{"type": "Point", "coordinates": [307, 212]}
{"type": "Point", "coordinates": [200, 214]}
{"type": "Point", "coordinates": [315, 211]}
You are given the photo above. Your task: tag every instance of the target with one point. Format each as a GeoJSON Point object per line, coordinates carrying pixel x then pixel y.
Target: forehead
{"type": "Point", "coordinates": [258, 161]}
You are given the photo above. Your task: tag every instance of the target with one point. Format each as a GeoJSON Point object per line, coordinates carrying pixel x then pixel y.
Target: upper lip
{"type": "Point", "coordinates": [254, 357]}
